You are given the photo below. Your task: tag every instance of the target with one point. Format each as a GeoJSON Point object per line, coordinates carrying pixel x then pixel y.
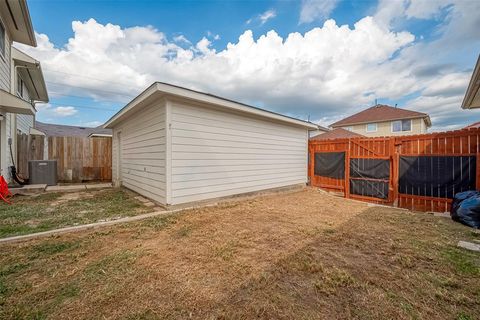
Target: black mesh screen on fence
{"type": "Point", "coordinates": [436, 176]}
{"type": "Point", "coordinates": [369, 177]}
{"type": "Point", "coordinates": [370, 168]}
{"type": "Point", "coordinates": [330, 164]}
{"type": "Point", "coordinates": [369, 188]}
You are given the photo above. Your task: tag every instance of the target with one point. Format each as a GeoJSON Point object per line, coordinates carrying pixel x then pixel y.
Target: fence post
{"type": "Point", "coordinates": [309, 157]}
{"type": "Point", "coordinates": [395, 155]}
{"type": "Point", "coordinates": [477, 177]}
{"type": "Point", "coordinates": [347, 171]}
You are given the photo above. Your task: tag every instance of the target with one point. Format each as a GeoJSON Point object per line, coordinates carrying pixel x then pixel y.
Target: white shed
{"type": "Point", "coordinates": [176, 145]}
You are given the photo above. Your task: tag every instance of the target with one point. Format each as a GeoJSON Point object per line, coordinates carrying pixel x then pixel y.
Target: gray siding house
{"type": "Point", "coordinates": [21, 79]}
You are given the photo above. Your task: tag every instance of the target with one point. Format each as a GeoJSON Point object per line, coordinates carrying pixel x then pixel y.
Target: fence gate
{"type": "Point", "coordinates": [417, 172]}
{"type": "Point", "coordinates": [365, 172]}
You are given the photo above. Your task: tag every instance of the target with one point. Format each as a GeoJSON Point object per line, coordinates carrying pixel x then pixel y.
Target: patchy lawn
{"type": "Point", "coordinates": [29, 214]}
{"type": "Point", "coordinates": [301, 255]}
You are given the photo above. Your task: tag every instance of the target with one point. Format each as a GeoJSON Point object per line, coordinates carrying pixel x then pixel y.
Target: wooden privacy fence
{"type": "Point", "coordinates": [79, 159]}
{"type": "Point", "coordinates": [29, 147]}
{"type": "Point", "coordinates": [417, 172]}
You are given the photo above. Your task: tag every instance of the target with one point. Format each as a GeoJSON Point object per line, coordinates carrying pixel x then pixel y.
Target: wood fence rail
{"type": "Point", "coordinates": [462, 146]}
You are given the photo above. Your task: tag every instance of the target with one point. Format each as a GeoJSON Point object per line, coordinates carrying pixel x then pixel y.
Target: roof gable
{"type": "Point", "coordinates": [338, 133]}
{"type": "Point", "coordinates": [380, 113]}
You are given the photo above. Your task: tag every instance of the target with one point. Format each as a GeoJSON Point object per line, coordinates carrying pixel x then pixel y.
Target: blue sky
{"type": "Point", "coordinates": [292, 57]}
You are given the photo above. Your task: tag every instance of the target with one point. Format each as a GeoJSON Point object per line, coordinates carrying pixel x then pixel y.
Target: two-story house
{"type": "Point", "coordinates": [383, 120]}
{"type": "Point", "coordinates": [21, 80]}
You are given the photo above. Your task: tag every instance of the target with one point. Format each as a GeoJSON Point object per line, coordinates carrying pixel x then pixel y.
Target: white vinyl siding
{"type": "Point", "coordinates": [5, 66]}
{"type": "Point", "coordinates": [142, 152]}
{"type": "Point", "coordinates": [24, 123]}
{"type": "Point", "coordinates": [6, 155]}
{"type": "Point", "coordinates": [216, 153]}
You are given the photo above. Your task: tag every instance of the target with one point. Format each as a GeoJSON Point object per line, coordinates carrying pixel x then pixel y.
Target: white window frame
{"type": "Point", "coordinates": [411, 126]}
{"type": "Point", "coordinates": [19, 86]}
{"type": "Point", "coordinates": [3, 54]}
{"type": "Point", "coordinates": [376, 127]}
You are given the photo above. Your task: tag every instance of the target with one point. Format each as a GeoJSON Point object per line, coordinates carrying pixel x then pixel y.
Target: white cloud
{"type": "Point", "coordinates": [326, 73]}
{"type": "Point", "coordinates": [312, 10]}
{"type": "Point", "coordinates": [314, 73]}
{"type": "Point", "coordinates": [46, 110]}
{"type": "Point", "coordinates": [263, 17]}
{"type": "Point", "coordinates": [65, 111]}
{"type": "Point", "coordinates": [267, 15]}
{"type": "Point", "coordinates": [181, 38]}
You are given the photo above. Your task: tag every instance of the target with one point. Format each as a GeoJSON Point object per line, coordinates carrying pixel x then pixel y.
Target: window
{"type": "Point", "coordinates": [402, 125]}
{"type": "Point", "coordinates": [19, 87]}
{"type": "Point", "coordinates": [349, 128]}
{"type": "Point", "coordinates": [2, 40]}
{"type": "Point", "coordinates": [371, 127]}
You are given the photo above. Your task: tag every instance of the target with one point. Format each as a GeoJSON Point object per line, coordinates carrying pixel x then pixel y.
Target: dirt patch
{"type": "Point", "coordinates": [72, 196]}
{"type": "Point", "coordinates": [297, 255]}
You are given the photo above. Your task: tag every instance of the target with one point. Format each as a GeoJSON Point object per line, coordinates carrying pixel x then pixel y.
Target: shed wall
{"type": "Point", "coordinates": [216, 153]}
{"type": "Point", "coordinates": [142, 152]}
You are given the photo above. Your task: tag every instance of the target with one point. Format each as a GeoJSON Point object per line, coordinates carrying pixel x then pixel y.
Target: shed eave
{"type": "Point", "coordinates": [472, 95]}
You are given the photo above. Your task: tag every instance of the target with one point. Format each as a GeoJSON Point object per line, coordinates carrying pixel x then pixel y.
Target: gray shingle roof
{"type": "Point", "coordinates": [60, 130]}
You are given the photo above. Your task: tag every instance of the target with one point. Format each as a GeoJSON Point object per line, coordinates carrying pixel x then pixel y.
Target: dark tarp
{"type": "Point", "coordinates": [369, 188]}
{"type": "Point", "coordinates": [436, 176]}
{"type": "Point", "coordinates": [370, 168]}
{"type": "Point", "coordinates": [373, 176]}
{"type": "Point", "coordinates": [330, 164]}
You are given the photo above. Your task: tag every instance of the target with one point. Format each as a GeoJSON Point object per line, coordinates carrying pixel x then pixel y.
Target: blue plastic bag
{"type": "Point", "coordinates": [466, 208]}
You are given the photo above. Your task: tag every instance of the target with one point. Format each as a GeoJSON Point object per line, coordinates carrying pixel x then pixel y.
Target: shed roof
{"type": "Point", "coordinates": [381, 112]}
{"type": "Point", "coordinates": [472, 96]}
{"type": "Point", "coordinates": [60, 130]}
{"type": "Point", "coordinates": [160, 89]}
{"type": "Point", "coordinates": [338, 133]}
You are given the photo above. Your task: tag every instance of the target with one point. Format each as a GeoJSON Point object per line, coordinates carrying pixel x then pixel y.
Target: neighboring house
{"type": "Point", "coordinates": [383, 120]}
{"type": "Point", "coordinates": [176, 145]}
{"type": "Point", "coordinates": [21, 79]}
{"type": "Point", "coordinates": [60, 130]}
{"type": "Point", "coordinates": [472, 96]}
{"type": "Point", "coordinates": [338, 133]}
{"type": "Point", "coordinates": [320, 130]}
{"type": "Point", "coordinates": [473, 125]}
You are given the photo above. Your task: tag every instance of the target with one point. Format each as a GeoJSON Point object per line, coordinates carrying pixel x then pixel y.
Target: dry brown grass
{"type": "Point", "coordinates": [300, 255]}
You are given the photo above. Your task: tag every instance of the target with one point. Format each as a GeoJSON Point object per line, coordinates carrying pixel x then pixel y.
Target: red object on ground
{"type": "Point", "coordinates": [5, 194]}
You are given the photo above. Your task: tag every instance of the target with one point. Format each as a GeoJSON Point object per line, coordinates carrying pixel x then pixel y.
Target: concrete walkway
{"type": "Point", "coordinates": [41, 188]}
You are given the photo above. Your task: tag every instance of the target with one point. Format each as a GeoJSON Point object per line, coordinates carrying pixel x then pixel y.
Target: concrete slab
{"type": "Point", "coordinates": [441, 214]}
{"type": "Point", "coordinates": [469, 246]}
{"type": "Point", "coordinates": [149, 204]}
{"type": "Point", "coordinates": [29, 189]}
{"type": "Point", "coordinates": [94, 186]}
{"type": "Point", "coordinates": [141, 199]}
{"type": "Point", "coordinates": [71, 188]}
